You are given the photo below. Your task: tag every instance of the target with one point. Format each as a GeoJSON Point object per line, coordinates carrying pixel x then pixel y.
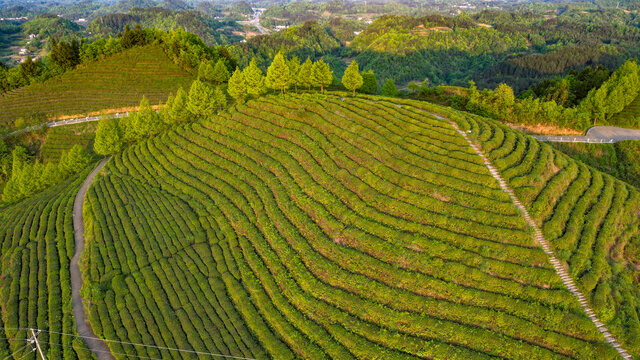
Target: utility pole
{"type": "Point", "coordinates": [35, 340]}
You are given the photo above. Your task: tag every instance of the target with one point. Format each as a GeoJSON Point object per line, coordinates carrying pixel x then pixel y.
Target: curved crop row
{"type": "Point", "coordinates": [335, 229]}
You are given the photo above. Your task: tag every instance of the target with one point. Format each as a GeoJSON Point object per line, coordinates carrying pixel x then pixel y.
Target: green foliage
{"type": "Point", "coordinates": [389, 88]}
{"type": "Point", "coordinates": [294, 70]}
{"type": "Point", "coordinates": [369, 82]}
{"type": "Point", "coordinates": [220, 98]}
{"type": "Point", "coordinates": [109, 137]}
{"type": "Point", "coordinates": [146, 122]}
{"type": "Point", "coordinates": [615, 94]}
{"type": "Point", "coordinates": [237, 86]}
{"type": "Point", "coordinates": [278, 74]}
{"type": "Point", "coordinates": [176, 110]}
{"type": "Point", "coordinates": [131, 38]}
{"type": "Point", "coordinates": [220, 73]}
{"type": "Point", "coordinates": [304, 77]}
{"type": "Point", "coordinates": [201, 101]}
{"type": "Point", "coordinates": [205, 71]}
{"type": "Point", "coordinates": [321, 74]}
{"type": "Point", "coordinates": [254, 78]}
{"type": "Point", "coordinates": [352, 80]}
{"type": "Point", "coordinates": [30, 178]}
{"type": "Point", "coordinates": [65, 55]}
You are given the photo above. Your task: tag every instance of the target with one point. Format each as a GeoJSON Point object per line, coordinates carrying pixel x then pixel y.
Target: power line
{"type": "Point", "coordinates": [27, 354]}
{"type": "Point", "coordinates": [138, 344]}
{"type": "Point", "coordinates": [19, 350]}
{"type": "Point", "coordinates": [105, 351]}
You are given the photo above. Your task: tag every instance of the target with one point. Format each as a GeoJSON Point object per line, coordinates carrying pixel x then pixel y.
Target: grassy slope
{"type": "Point", "coordinates": [36, 245]}
{"type": "Point", "coordinates": [326, 229]}
{"type": "Point", "coordinates": [115, 82]}
{"type": "Point", "coordinates": [591, 220]}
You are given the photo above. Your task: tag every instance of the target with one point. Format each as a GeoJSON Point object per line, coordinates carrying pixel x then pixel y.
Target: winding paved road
{"type": "Point", "coordinates": [597, 134]}
{"type": "Point", "coordinates": [97, 346]}
{"type": "Point", "coordinates": [256, 21]}
{"type": "Point", "coordinates": [559, 267]}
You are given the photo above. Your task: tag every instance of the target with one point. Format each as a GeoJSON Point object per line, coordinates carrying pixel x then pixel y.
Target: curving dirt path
{"type": "Point", "coordinates": [97, 346]}
{"type": "Point", "coordinates": [560, 269]}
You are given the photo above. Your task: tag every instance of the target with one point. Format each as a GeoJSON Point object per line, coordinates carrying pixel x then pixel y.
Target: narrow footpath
{"type": "Point", "coordinates": [561, 270]}
{"type": "Point", "coordinates": [97, 346]}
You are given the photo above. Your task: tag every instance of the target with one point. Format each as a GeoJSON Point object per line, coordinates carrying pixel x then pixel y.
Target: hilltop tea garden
{"type": "Point", "coordinates": [315, 227]}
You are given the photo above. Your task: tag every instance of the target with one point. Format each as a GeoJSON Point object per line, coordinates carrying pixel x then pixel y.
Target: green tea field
{"type": "Point", "coordinates": [36, 245]}
{"type": "Point", "coordinates": [307, 227]}
{"type": "Point", "coordinates": [115, 82]}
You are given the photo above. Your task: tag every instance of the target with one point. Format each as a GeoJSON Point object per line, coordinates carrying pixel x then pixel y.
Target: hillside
{"type": "Point", "coordinates": [115, 82]}
{"type": "Point", "coordinates": [312, 227]}
{"type": "Point", "coordinates": [590, 219]}
{"type": "Point", "coordinates": [36, 245]}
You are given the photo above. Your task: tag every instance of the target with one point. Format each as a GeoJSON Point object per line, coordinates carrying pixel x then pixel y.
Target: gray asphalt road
{"type": "Point", "coordinates": [597, 134]}
{"type": "Point", "coordinates": [97, 346]}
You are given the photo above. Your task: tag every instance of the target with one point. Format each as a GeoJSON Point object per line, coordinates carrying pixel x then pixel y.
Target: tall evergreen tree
{"type": "Point", "coordinates": [146, 122]}
{"type": "Point", "coordinates": [237, 86]}
{"type": "Point", "coordinates": [304, 74]}
{"type": "Point", "coordinates": [369, 82]}
{"type": "Point", "coordinates": [220, 98]}
{"type": "Point", "coordinates": [352, 79]}
{"type": "Point", "coordinates": [128, 38]}
{"type": "Point", "coordinates": [389, 88]}
{"type": "Point", "coordinates": [201, 101]}
{"type": "Point", "coordinates": [278, 74]}
{"type": "Point", "coordinates": [254, 79]}
{"type": "Point", "coordinates": [109, 137]}
{"type": "Point", "coordinates": [321, 74]}
{"type": "Point", "coordinates": [205, 71]}
{"type": "Point", "coordinates": [294, 68]}
{"type": "Point", "coordinates": [220, 73]}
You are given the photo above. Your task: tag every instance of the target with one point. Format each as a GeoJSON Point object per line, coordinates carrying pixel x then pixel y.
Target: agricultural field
{"type": "Point", "coordinates": [36, 245]}
{"type": "Point", "coordinates": [621, 160]}
{"type": "Point", "coordinates": [591, 220]}
{"type": "Point", "coordinates": [61, 139]}
{"type": "Point", "coordinates": [318, 227]}
{"type": "Point", "coordinates": [115, 82]}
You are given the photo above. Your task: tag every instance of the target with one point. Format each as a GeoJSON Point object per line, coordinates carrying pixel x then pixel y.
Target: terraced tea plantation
{"type": "Point", "coordinates": [591, 220]}
{"type": "Point", "coordinates": [61, 139]}
{"type": "Point", "coordinates": [36, 245]}
{"type": "Point", "coordinates": [307, 227]}
{"type": "Point", "coordinates": [115, 82]}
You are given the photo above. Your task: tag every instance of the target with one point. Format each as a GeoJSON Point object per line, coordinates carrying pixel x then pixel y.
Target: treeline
{"type": "Point", "coordinates": [578, 101]}
{"type": "Point", "coordinates": [206, 96]}
{"type": "Point", "coordinates": [27, 177]}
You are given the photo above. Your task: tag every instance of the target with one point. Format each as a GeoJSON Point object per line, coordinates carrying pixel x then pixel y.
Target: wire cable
{"type": "Point", "coordinates": [138, 344]}
{"type": "Point", "coordinates": [19, 350]}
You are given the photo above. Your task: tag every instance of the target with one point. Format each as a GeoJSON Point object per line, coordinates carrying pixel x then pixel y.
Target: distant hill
{"type": "Point", "coordinates": [115, 82]}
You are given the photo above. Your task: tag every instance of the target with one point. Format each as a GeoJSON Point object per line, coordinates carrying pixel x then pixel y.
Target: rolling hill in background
{"type": "Point", "coordinates": [115, 82]}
